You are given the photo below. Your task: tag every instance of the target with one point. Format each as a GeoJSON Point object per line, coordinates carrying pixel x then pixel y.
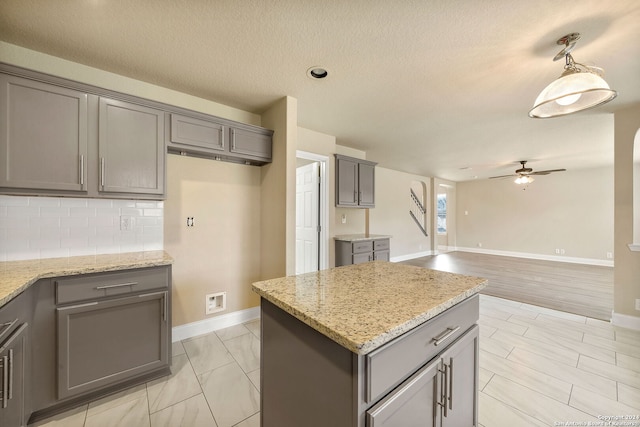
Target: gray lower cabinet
{"type": "Point", "coordinates": [14, 357]}
{"type": "Point", "coordinates": [95, 334]}
{"type": "Point", "coordinates": [357, 252]}
{"type": "Point", "coordinates": [355, 182]}
{"type": "Point", "coordinates": [104, 342]}
{"type": "Point", "coordinates": [43, 136]}
{"type": "Point", "coordinates": [442, 393]}
{"type": "Point", "coordinates": [130, 148]}
{"type": "Point", "coordinates": [426, 377]}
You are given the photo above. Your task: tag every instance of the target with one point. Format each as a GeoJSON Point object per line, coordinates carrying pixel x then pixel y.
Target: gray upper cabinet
{"type": "Point", "coordinates": [355, 182]}
{"type": "Point", "coordinates": [196, 134]}
{"type": "Point", "coordinates": [252, 145]}
{"type": "Point", "coordinates": [130, 148]}
{"type": "Point", "coordinates": [219, 139]}
{"type": "Point", "coordinates": [43, 136]}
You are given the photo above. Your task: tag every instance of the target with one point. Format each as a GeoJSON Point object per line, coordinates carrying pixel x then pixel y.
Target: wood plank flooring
{"type": "Point", "coordinates": [586, 290]}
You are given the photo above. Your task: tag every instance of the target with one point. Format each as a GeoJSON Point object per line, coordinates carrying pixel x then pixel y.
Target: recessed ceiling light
{"type": "Point", "coordinates": [317, 72]}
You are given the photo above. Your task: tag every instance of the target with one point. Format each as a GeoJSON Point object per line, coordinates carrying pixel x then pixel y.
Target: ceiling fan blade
{"type": "Point", "coordinates": [503, 176]}
{"type": "Point", "coordinates": [547, 172]}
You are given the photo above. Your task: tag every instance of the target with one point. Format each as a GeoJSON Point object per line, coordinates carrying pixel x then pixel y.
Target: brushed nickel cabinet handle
{"type": "Point", "coordinates": [451, 383]}
{"type": "Point", "coordinates": [102, 162]}
{"type": "Point", "coordinates": [10, 388]}
{"type": "Point", "coordinates": [119, 285]}
{"type": "Point", "coordinates": [5, 381]}
{"type": "Point", "coordinates": [82, 169]}
{"type": "Point", "coordinates": [445, 335]}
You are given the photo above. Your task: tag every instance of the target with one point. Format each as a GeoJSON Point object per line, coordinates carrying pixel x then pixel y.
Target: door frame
{"type": "Point", "coordinates": [323, 217]}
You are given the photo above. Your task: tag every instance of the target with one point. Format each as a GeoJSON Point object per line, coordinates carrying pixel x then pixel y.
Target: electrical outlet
{"type": "Point", "coordinates": [343, 219]}
{"type": "Point", "coordinates": [126, 223]}
{"type": "Point", "coordinates": [637, 303]}
{"type": "Point", "coordinates": [557, 251]}
{"type": "Point", "coordinates": [479, 244]}
{"type": "Point", "coordinates": [561, 251]}
{"type": "Point", "coordinates": [609, 255]}
{"type": "Point", "coordinates": [215, 302]}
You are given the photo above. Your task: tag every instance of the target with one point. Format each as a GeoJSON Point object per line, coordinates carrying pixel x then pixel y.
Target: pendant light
{"type": "Point", "coordinates": [578, 88]}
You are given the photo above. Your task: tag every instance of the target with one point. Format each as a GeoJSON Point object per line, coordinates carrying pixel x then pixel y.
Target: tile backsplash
{"type": "Point", "coordinates": [51, 227]}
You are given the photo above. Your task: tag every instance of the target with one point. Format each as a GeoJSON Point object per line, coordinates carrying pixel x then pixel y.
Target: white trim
{"type": "Point", "coordinates": [625, 321]}
{"type": "Point", "coordinates": [181, 332]}
{"type": "Point", "coordinates": [635, 247]}
{"type": "Point", "coordinates": [589, 261]}
{"type": "Point", "coordinates": [410, 256]}
{"type": "Point", "coordinates": [324, 203]}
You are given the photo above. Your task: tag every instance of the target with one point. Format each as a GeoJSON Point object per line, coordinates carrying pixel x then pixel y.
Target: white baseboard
{"type": "Point", "coordinates": [574, 260]}
{"type": "Point", "coordinates": [625, 321]}
{"type": "Point", "coordinates": [410, 256]}
{"type": "Point", "coordinates": [181, 332]}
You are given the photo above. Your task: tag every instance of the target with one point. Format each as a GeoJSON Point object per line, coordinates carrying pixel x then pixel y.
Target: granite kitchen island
{"type": "Point", "coordinates": [376, 344]}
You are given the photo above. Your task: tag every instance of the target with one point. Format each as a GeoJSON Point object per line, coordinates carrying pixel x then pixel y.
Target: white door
{"type": "Point", "coordinates": [307, 217]}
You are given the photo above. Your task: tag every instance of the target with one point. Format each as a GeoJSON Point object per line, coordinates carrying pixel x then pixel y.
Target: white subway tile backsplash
{"type": "Point", "coordinates": [48, 227]}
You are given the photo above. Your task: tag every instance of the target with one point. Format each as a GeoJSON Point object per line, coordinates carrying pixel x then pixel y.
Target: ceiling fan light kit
{"type": "Point", "coordinates": [524, 173]}
{"type": "Point", "coordinates": [580, 87]}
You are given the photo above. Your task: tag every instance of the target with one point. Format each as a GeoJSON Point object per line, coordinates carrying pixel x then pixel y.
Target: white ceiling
{"type": "Point", "coordinates": [433, 87]}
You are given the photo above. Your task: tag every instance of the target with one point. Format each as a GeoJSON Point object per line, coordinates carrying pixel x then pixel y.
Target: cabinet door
{"type": "Point", "coordinates": [102, 343]}
{"type": "Point", "coordinates": [412, 404]}
{"type": "Point", "coordinates": [250, 145]}
{"type": "Point", "coordinates": [13, 353]}
{"type": "Point", "coordinates": [130, 148]}
{"type": "Point", "coordinates": [43, 136]}
{"type": "Point", "coordinates": [381, 255]}
{"type": "Point", "coordinates": [366, 185]}
{"type": "Point", "coordinates": [199, 135]}
{"type": "Point", "coordinates": [346, 183]}
{"type": "Point", "coordinates": [460, 362]}
{"type": "Point", "coordinates": [360, 258]}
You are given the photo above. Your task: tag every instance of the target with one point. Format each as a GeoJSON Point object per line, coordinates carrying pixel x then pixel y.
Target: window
{"type": "Point", "coordinates": [442, 213]}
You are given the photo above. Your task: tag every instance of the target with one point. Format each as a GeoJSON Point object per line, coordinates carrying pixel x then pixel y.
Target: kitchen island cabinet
{"type": "Point", "coordinates": [369, 345]}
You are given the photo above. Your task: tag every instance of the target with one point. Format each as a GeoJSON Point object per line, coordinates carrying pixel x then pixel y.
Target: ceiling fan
{"type": "Point", "coordinates": [524, 173]}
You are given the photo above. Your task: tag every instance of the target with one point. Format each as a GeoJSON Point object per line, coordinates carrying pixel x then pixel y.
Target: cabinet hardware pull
{"type": "Point", "coordinates": [5, 381]}
{"type": "Point", "coordinates": [355, 197]}
{"type": "Point", "coordinates": [451, 383]}
{"type": "Point", "coordinates": [445, 335]}
{"type": "Point", "coordinates": [102, 172]}
{"type": "Point", "coordinates": [6, 326]}
{"type": "Point", "coordinates": [116, 286]}
{"type": "Point", "coordinates": [72, 307]}
{"type": "Point", "coordinates": [10, 388]}
{"type": "Point", "coordinates": [443, 388]}
{"type": "Point", "coordinates": [81, 169]}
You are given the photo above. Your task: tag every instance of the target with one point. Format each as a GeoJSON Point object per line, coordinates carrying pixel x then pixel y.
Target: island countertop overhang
{"type": "Point", "coordinates": [364, 306]}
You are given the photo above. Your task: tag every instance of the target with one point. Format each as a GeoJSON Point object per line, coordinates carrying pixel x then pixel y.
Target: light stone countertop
{"type": "Point", "coordinates": [16, 276]}
{"type": "Point", "coordinates": [360, 237]}
{"type": "Point", "coordinates": [363, 306]}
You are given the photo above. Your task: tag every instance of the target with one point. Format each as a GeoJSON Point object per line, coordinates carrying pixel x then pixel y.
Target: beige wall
{"type": "Point", "coordinates": [627, 266]}
{"type": "Point", "coordinates": [570, 210]}
{"type": "Point", "coordinates": [221, 252]}
{"type": "Point", "coordinates": [391, 214]}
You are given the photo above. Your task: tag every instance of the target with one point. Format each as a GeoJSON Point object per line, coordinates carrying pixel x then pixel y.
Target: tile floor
{"type": "Point", "coordinates": [538, 367]}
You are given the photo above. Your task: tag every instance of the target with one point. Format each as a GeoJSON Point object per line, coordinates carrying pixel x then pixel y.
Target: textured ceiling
{"type": "Point", "coordinates": [437, 88]}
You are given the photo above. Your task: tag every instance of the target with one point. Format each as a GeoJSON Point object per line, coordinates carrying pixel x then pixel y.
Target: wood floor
{"type": "Point", "coordinates": [585, 290]}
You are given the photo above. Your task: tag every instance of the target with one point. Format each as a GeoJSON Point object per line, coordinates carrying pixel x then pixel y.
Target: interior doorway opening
{"type": "Point", "coordinates": [312, 225]}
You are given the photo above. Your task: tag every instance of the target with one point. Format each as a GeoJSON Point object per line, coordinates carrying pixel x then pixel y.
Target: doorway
{"type": "Point", "coordinates": [311, 212]}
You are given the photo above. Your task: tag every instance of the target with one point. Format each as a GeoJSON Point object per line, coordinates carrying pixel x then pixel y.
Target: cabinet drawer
{"type": "Point", "coordinates": [360, 247]}
{"type": "Point", "coordinates": [90, 287]}
{"type": "Point", "coordinates": [380, 244]}
{"type": "Point", "coordinates": [391, 364]}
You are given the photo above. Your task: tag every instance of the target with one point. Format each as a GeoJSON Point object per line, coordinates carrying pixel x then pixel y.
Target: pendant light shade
{"type": "Point", "coordinates": [578, 88]}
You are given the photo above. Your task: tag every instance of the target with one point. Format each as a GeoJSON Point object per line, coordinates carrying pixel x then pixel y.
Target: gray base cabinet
{"type": "Point", "coordinates": [426, 377]}
{"type": "Point", "coordinates": [355, 182]}
{"type": "Point", "coordinates": [71, 340]}
{"type": "Point", "coordinates": [14, 361]}
{"type": "Point", "coordinates": [357, 252]}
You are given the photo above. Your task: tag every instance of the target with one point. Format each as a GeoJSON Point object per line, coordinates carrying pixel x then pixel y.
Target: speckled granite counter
{"type": "Point", "coordinates": [364, 306]}
{"type": "Point", "coordinates": [360, 237]}
{"type": "Point", "coordinates": [16, 276]}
